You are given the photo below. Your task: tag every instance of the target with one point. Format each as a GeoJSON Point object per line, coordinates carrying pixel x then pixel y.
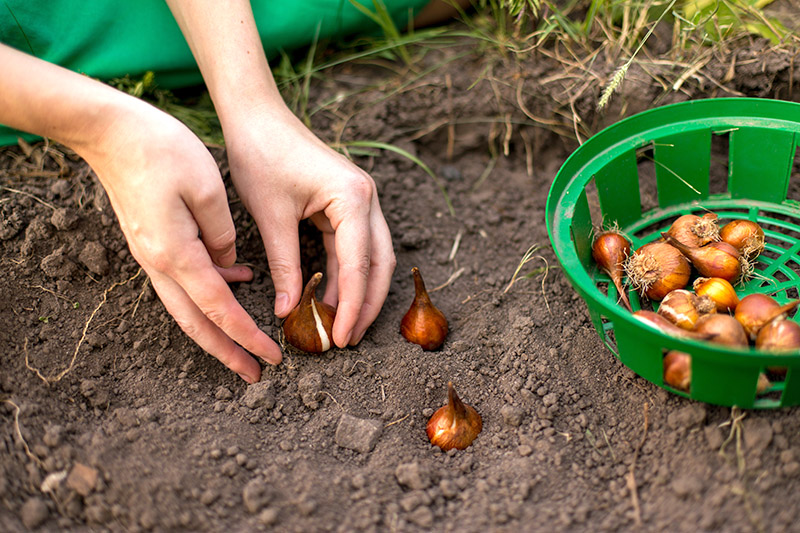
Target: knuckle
{"type": "Point", "coordinates": [362, 188]}
{"type": "Point", "coordinates": [222, 240]}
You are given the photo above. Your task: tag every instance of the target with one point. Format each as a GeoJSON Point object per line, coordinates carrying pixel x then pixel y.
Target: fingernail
{"type": "Point", "coordinates": [347, 339]}
{"type": "Point", "coordinates": [247, 378]}
{"type": "Point", "coordinates": [358, 338]}
{"type": "Point", "coordinates": [281, 303]}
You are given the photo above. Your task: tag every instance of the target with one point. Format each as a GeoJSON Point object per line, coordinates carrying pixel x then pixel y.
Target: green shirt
{"type": "Point", "coordinates": [111, 38]}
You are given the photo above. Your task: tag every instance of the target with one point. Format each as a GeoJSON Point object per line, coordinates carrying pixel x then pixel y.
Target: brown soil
{"type": "Point", "coordinates": [156, 435]}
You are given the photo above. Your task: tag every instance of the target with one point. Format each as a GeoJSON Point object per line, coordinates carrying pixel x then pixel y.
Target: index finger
{"type": "Point", "coordinates": [209, 292]}
{"type": "Point", "coordinates": [353, 252]}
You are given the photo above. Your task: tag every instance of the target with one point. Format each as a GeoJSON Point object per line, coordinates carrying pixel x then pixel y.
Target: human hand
{"type": "Point", "coordinates": [166, 190]}
{"type": "Point", "coordinates": [284, 174]}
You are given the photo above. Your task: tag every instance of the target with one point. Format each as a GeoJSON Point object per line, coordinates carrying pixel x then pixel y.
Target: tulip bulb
{"type": "Point", "coordinates": [423, 323]}
{"type": "Point", "coordinates": [657, 321]}
{"type": "Point", "coordinates": [657, 268]}
{"type": "Point", "coordinates": [757, 310]}
{"type": "Point", "coordinates": [309, 326]}
{"type": "Point", "coordinates": [715, 260]}
{"type": "Point", "coordinates": [693, 230]}
{"type": "Point", "coordinates": [684, 308]}
{"type": "Point", "coordinates": [678, 370]}
{"type": "Point", "coordinates": [454, 425]}
{"type": "Point", "coordinates": [719, 290]}
{"type": "Point", "coordinates": [724, 328]}
{"type": "Point", "coordinates": [744, 235]}
{"type": "Point", "coordinates": [610, 250]}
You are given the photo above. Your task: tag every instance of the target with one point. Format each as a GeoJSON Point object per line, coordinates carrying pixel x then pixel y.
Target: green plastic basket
{"type": "Point", "coordinates": [606, 181]}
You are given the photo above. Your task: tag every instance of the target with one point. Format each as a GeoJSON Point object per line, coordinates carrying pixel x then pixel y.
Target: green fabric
{"type": "Point", "coordinates": [110, 38]}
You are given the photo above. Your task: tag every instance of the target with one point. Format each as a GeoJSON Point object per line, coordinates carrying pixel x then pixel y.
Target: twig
{"type": "Point", "coordinates": [396, 421]}
{"type": "Point", "coordinates": [454, 276]}
{"type": "Point", "coordinates": [456, 243]}
{"type": "Point", "coordinates": [29, 195]}
{"type": "Point", "coordinates": [329, 395]}
{"type": "Point", "coordinates": [630, 479]}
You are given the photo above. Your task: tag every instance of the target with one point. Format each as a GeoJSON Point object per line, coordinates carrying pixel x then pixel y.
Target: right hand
{"type": "Point", "coordinates": [168, 194]}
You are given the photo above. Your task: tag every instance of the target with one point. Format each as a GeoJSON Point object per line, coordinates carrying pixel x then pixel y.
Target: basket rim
{"type": "Point", "coordinates": [605, 145]}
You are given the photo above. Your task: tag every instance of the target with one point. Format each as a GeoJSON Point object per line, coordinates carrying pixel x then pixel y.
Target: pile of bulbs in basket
{"type": "Point", "coordinates": [309, 328]}
{"type": "Point", "coordinates": [712, 311]}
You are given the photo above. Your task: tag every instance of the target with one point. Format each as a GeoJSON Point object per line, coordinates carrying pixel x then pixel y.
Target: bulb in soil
{"type": "Point", "coordinates": [455, 425]}
{"type": "Point", "coordinates": [309, 326]}
{"type": "Point", "coordinates": [423, 323]}
{"type": "Point", "coordinates": [656, 269]}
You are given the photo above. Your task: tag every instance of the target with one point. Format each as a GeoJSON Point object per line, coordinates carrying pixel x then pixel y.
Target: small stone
{"type": "Point", "coordinates": [309, 387]}
{"type": "Point", "coordinates": [413, 476]}
{"type": "Point", "coordinates": [82, 479]}
{"type": "Point", "coordinates": [256, 495]}
{"type": "Point", "coordinates": [685, 486]}
{"type": "Point", "coordinates": [550, 399]}
{"type": "Point", "coordinates": [422, 516]}
{"type": "Point", "coordinates": [359, 434]}
{"type": "Point", "coordinates": [757, 434]}
{"type": "Point", "coordinates": [449, 488]}
{"type": "Point", "coordinates": [689, 416]}
{"type": "Point", "coordinates": [34, 513]}
{"type": "Point", "coordinates": [64, 218]}
{"type": "Point", "coordinates": [229, 468]}
{"type": "Point", "coordinates": [94, 257]}
{"type": "Point", "coordinates": [512, 415]}
{"type": "Point", "coordinates": [223, 393]}
{"type": "Point", "coordinates": [268, 516]}
{"type": "Point", "coordinates": [259, 395]}
{"type": "Point", "coordinates": [524, 450]}
{"type": "Point", "coordinates": [53, 435]}
{"type": "Point", "coordinates": [208, 497]}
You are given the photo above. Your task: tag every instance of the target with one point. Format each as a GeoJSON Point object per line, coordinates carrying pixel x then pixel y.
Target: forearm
{"type": "Point", "coordinates": [226, 45]}
{"type": "Point", "coordinates": [41, 98]}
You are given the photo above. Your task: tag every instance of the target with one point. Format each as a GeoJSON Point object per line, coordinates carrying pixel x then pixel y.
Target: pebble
{"type": "Point", "coordinates": [268, 516]}
{"type": "Point", "coordinates": [223, 393]}
{"type": "Point", "coordinates": [259, 395]}
{"type": "Point", "coordinates": [359, 434]}
{"type": "Point", "coordinates": [208, 497]}
{"type": "Point", "coordinates": [685, 486]}
{"type": "Point", "coordinates": [34, 513]}
{"type": "Point", "coordinates": [94, 257]}
{"type": "Point", "coordinates": [255, 495]}
{"type": "Point", "coordinates": [422, 516]}
{"type": "Point", "coordinates": [309, 387]}
{"type": "Point", "coordinates": [413, 476]}
{"type": "Point", "coordinates": [229, 468]}
{"type": "Point", "coordinates": [82, 479]}
{"type": "Point", "coordinates": [53, 435]}
{"type": "Point", "coordinates": [512, 415]}
{"type": "Point", "coordinates": [524, 450]}
{"type": "Point", "coordinates": [757, 434]}
{"type": "Point", "coordinates": [686, 417]}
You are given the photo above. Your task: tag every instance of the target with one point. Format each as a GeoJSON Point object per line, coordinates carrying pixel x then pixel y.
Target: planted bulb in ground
{"type": "Point", "coordinates": [423, 323]}
{"type": "Point", "coordinates": [309, 326]}
{"type": "Point", "coordinates": [454, 425]}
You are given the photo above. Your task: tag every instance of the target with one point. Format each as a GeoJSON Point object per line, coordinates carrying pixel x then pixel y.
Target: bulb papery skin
{"type": "Point", "coordinates": [779, 336]}
{"type": "Point", "coordinates": [724, 329]}
{"type": "Point", "coordinates": [719, 290]}
{"type": "Point", "coordinates": [610, 250]}
{"type": "Point", "coordinates": [454, 425]}
{"type": "Point", "coordinates": [656, 269]}
{"type": "Point", "coordinates": [744, 235]}
{"type": "Point", "coordinates": [684, 308]}
{"type": "Point", "coordinates": [659, 322]}
{"type": "Point", "coordinates": [714, 260]}
{"type": "Point", "coordinates": [309, 326]}
{"type": "Point", "coordinates": [757, 310]}
{"type": "Point", "coordinates": [678, 370]}
{"type": "Point", "coordinates": [693, 230]}
{"type": "Point", "coordinates": [423, 323]}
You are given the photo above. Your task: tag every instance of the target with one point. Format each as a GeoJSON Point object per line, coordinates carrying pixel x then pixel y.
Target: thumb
{"type": "Point", "coordinates": [281, 241]}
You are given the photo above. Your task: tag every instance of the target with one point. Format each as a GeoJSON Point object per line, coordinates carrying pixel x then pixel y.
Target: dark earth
{"type": "Point", "coordinates": [113, 420]}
